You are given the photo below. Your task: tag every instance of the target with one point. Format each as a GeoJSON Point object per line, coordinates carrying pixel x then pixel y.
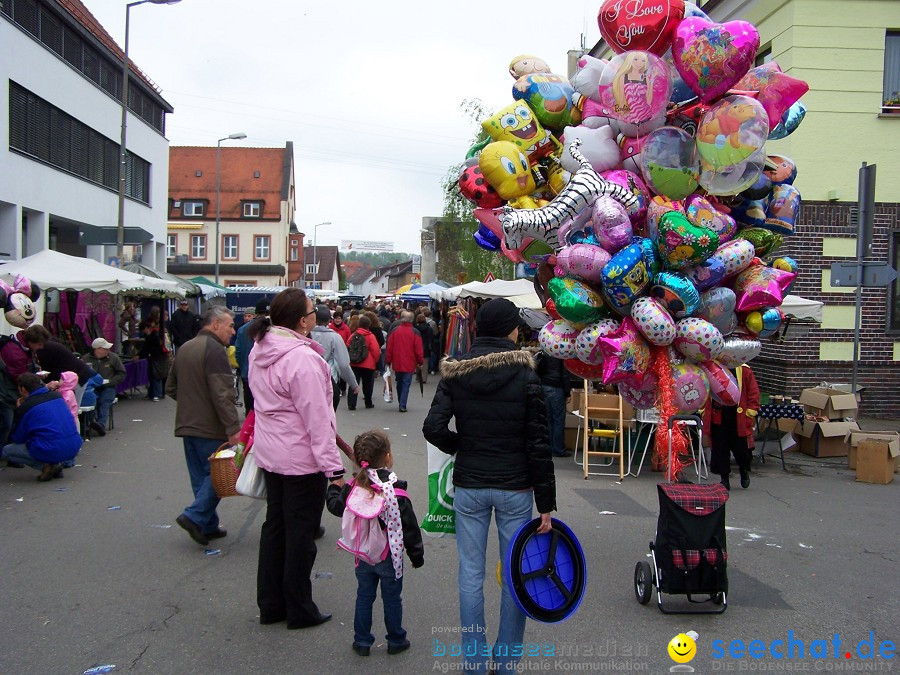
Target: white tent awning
{"type": "Point", "coordinates": [55, 270]}
{"type": "Point", "coordinates": [802, 308]}
{"type": "Point", "coordinates": [520, 292]}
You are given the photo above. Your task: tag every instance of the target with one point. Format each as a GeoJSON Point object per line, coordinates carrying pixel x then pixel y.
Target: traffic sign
{"type": "Point", "coordinates": [489, 277]}
{"type": "Point", "coordinates": [875, 274]}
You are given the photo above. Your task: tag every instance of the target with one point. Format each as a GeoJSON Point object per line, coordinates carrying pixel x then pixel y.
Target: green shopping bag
{"type": "Point", "coordinates": [440, 519]}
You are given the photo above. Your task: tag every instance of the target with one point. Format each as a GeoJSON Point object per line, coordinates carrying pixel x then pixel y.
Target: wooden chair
{"type": "Point", "coordinates": [606, 409]}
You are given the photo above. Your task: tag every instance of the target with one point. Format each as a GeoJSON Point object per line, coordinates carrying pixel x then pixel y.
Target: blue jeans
{"type": "Point", "coordinates": [18, 453]}
{"type": "Point", "coordinates": [105, 397]}
{"type": "Point", "coordinates": [203, 510]}
{"type": "Point", "coordinates": [404, 382]}
{"type": "Point", "coordinates": [473, 507]}
{"type": "Point", "coordinates": [555, 400]}
{"type": "Point", "coordinates": [367, 577]}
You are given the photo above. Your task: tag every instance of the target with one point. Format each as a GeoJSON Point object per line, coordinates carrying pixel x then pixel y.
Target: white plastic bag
{"type": "Point", "coordinates": [388, 385]}
{"type": "Point", "coordinates": [251, 482]}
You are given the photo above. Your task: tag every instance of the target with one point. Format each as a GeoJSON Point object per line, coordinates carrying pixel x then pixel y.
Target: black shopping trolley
{"type": "Point", "coordinates": [689, 555]}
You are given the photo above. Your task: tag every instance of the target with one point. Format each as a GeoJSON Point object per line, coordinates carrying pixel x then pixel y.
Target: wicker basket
{"type": "Point", "coordinates": [223, 473]}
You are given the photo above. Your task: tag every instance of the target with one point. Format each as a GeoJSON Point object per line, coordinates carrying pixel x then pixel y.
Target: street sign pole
{"type": "Point", "coordinates": [864, 222]}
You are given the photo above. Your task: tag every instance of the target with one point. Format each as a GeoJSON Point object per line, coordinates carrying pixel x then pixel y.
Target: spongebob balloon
{"type": "Point", "coordinates": [517, 124]}
{"type": "Point", "coordinates": [506, 170]}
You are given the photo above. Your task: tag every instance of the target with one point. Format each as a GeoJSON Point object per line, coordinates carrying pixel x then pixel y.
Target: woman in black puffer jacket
{"type": "Point", "coordinates": [502, 461]}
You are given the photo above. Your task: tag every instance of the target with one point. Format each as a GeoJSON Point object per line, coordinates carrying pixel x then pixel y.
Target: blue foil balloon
{"type": "Point", "coordinates": [651, 255]}
{"type": "Point", "coordinates": [486, 239]}
{"type": "Point", "coordinates": [624, 278]}
{"type": "Point", "coordinates": [584, 237]}
{"type": "Point", "coordinates": [789, 122]}
{"type": "Point", "coordinates": [676, 293]}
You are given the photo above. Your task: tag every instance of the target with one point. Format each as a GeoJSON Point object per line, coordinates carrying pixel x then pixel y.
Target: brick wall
{"type": "Point", "coordinates": [789, 367]}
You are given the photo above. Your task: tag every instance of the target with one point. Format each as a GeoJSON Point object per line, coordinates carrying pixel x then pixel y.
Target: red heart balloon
{"type": "Point", "coordinates": [647, 25]}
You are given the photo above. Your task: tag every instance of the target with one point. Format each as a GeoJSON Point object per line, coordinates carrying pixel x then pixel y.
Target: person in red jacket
{"type": "Point", "coordinates": [731, 429]}
{"type": "Point", "coordinates": [404, 354]}
{"type": "Point", "coordinates": [338, 326]}
{"type": "Point", "coordinates": [365, 369]}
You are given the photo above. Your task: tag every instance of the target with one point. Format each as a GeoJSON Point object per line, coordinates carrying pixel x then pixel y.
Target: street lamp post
{"type": "Point", "coordinates": [120, 230]}
{"type": "Point", "coordinates": [315, 235]}
{"type": "Point", "coordinates": [230, 137]}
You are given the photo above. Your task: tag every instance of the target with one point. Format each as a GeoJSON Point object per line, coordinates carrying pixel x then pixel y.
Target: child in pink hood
{"type": "Point", "coordinates": [67, 383]}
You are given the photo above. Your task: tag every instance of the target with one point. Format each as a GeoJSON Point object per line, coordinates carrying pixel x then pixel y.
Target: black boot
{"type": "Point", "coordinates": [726, 483]}
{"type": "Point", "coordinates": [745, 478]}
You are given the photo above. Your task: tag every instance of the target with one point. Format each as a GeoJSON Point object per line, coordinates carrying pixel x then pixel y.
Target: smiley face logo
{"type": "Point", "coordinates": [682, 648]}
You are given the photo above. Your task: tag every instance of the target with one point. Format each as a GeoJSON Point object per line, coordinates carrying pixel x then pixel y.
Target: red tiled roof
{"type": "Point", "coordinates": [238, 166]}
{"type": "Point", "coordinates": [83, 15]}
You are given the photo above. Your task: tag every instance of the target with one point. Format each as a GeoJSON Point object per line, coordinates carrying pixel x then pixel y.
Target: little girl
{"type": "Point", "coordinates": [372, 450]}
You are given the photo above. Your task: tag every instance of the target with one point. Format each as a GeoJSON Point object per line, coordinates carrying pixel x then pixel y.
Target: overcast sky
{"type": "Point", "coordinates": [369, 92]}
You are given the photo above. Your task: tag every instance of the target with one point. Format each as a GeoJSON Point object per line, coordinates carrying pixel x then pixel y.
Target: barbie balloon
{"type": "Point", "coordinates": [682, 244]}
{"type": "Point", "coordinates": [764, 322]}
{"type": "Point", "coordinates": [701, 212]}
{"type": "Point", "coordinates": [675, 293]}
{"type": "Point", "coordinates": [738, 351]}
{"type": "Point", "coordinates": [760, 286]}
{"type": "Point", "coordinates": [587, 346]}
{"type": "Point", "coordinates": [582, 261]}
{"type": "Point", "coordinates": [707, 274]}
{"type": "Point", "coordinates": [717, 307]}
{"type": "Point", "coordinates": [710, 57]}
{"type": "Point", "coordinates": [625, 277]}
{"type": "Point", "coordinates": [626, 357]}
{"type": "Point", "coordinates": [557, 339]}
{"type": "Point", "coordinates": [654, 322]}
{"type": "Point", "coordinates": [576, 301]}
{"type": "Point", "coordinates": [632, 182]}
{"type": "Point", "coordinates": [648, 25]}
{"type": "Point", "coordinates": [697, 339]}
{"type": "Point", "coordinates": [635, 87]}
{"type": "Point", "coordinates": [691, 388]}
{"type": "Point", "coordinates": [735, 256]}
{"type": "Point", "coordinates": [611, 224]}
{"type": "Point", "coordinates": [723, 386]}
{"type": "Point", "coordinates": [669, 162]}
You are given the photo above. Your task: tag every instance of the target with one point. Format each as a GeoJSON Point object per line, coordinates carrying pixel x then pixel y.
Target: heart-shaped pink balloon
{"type": "Point", "coordinates": [712, 57]}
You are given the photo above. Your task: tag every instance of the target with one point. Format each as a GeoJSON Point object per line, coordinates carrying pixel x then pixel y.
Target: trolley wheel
{"type": "Point", "coordinates": [643, 582]}
{"type": "Point", "coordinates": [717, 598]}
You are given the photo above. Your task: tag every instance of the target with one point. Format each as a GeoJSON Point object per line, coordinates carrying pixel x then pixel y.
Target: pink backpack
{"type": "Point", "coordinates": [361, 532]}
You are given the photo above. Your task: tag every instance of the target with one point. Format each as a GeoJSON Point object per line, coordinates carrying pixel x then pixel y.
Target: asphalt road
{"type": "Point", "coordinates": [95, 571]}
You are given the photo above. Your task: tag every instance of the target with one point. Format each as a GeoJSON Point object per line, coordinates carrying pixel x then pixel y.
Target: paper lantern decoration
{"type": "Point", "coordinates": [557, 339]}
{"type": "Point", "coordinates": [697, 339]}
{"type": "Point", "coordinates": [653, 321]}
{"type": "Point", "coordinates": [587, 345]}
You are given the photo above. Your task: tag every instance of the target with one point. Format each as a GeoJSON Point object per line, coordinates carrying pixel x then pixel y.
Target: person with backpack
{"type": "Point", "coordinates": [377, 524]}
{"type": "Point", "coordinates": [404, 354]}
{"type": "Point", "coordinates": [364, 352]}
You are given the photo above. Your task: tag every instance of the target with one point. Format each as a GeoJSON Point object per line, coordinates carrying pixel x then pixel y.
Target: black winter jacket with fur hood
{"type": "Point", "coordinates": [501, 439]}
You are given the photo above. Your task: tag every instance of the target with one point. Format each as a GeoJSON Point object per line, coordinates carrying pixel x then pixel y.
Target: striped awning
{"type": "Point", "coordinates": [185, 226]}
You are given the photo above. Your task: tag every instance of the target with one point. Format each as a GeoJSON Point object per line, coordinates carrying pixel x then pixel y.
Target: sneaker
{"type": "Point", "coordinates": [396, 649]}
{"type": "Point", "coordinates": [745, 479]}
{"type": "Point", "coordinates": [361, 650]}
{"type": "Point", "coordinates": [155, 399]}
{"type": "Point", "coordinates": [402, 409]}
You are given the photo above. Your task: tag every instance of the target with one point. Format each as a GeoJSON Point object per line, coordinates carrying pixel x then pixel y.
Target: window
{"type": "Point", "coordinates": [252, 209]}
{"type": "Point", "coordinates": [295, 253]}
{"type": "Point", "coordinates": [763, 56]}
{"type": "Point", "coordinates": [312, 268]}
{"type": "Point", "coordinates": [171, 245]}
{"type": "Point", "coordinates": [261, 249]}
{"type": "Point", "coordinates": [192, 209]}
{"type": "Point", "coordinates": [893, 326]}
{"type": "Point", "coordinates": [891, 95]}
{"type": "Point", "coordinates": [46, 133]}
{"type": "Point", "coordinates": [40, 21]}
{"type": "Point", "coordinates": [229, 247]}
{"type": "Point", "coordinates": [198, 246]}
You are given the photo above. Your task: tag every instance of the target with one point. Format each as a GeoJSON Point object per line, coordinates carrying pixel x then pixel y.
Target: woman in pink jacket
{"type": "Point", "coordinates": [294, 445]}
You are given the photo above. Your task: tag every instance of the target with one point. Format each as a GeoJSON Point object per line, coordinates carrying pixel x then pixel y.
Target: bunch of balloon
{"type": "Point", "coordinates": [643, 192]}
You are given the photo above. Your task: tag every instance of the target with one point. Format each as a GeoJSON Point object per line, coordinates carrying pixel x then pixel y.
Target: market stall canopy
{"type": "Point", "coordinates": [406, 289]}
{"type": "Point", "coordinates": [209, 287]}
{"type": "Point", "coordinates": [190, 288]}
{"type": "Point", "coordinates": [802, 308]}
{"type": "Point", "coordinates": [520, 292]}
{"type": "Point", "coordinates": [422, 293]}
{"type": "Point", "coordinates": [55, 270]}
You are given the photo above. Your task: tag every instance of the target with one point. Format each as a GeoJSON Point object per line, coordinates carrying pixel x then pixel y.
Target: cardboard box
{"type": "Point", "coordinates": [575, 400]}
{"type": "Point", "coordinates": [571, 438]}
{"type": "Point", "coordinates": [826, 439]}
{"type": "Point", "coordinates": [787, 426]}
{"type": "Point", "coordinates": [831, 403]}
{"type": "Point", "coordinates": [892, 438]}
{"type": "Point", "coordinates": [875, 462]}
